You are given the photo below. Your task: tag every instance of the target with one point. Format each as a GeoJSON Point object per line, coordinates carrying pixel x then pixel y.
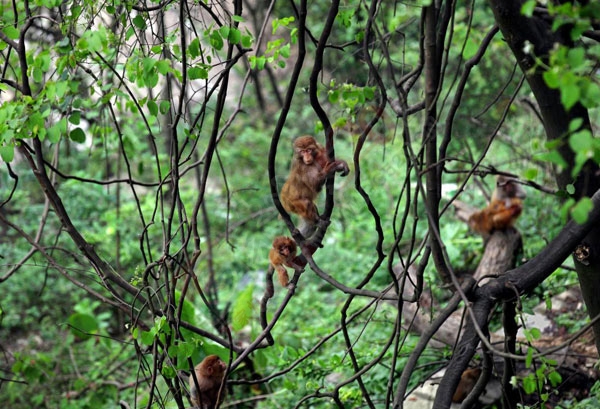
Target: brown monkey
{"type": "Point", "coordinates": [209, 374]}
{"type": "Point", "coordinates": [502, 211]}
{"type": "Point", "coordinates": [281, 254]}
{"type": "Point", "coordinates": [310, 167]}
{"type": "Point", "coordinates": [468, 379]}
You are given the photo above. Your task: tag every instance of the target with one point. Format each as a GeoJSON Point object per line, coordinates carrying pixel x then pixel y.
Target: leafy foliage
{"type": "Point", "coordinates": [136, 193]}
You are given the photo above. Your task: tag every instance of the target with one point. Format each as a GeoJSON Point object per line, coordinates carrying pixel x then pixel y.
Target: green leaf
{"type": "Point", "coordinates": [535, 333]}
{"type": "Point", "coordinates": [173, 350]}
{"type": "Point", "coordinates": [581, 141]}
{"type": "Point", "coordinates": [576, 57]}
{"type": "Point", "coordinates": [147, 338]}
{"type": "Point", "coordinates": [151, 79]}
{"type": "Point", "coordinates": [530, 173]}
{"type": "Point", "coordinates": [92, 40]}
{"type": "Point", "coordinates": [36, 124]}
{"type": "Point", "coordinates": [569, 95]}
{"type": "Point", "coordinates": [224, 31]}
{"type": "Point", "coordinates": [575, 124]}
{"type": "Point", "coordinates": [83, 326]}
{"type": "Point", "coordinates": [152, 107]}
{"type": "Point", "coordinates": [528, 7]}
{"type": "Point", "coordinates": [57, 130]}
{"type": "Point", "coordinates": [75, 117]}
{"type": "Point", "coordinates": [247, 41]}
{"type": "Point", "coordinates": [197, 73]}
{"type": "Point", "coordinates": [242, 309]}
{"type": "Point", "coordinates": [552, 157]}
{"type": "Point", "coordinates": [11, 32]}
{"type": "Point", "coordinates": [163, 67]}
{"type": "Point", "coordinates": [216, 40]}
{"type": "Point", "coordinates": [582, 209]}
{"type": "Point", "coordinates": [529, 357]}
{"type": "Point", "coordinates": [333, 96]}
{"type": "Point", "coordinates": [555, 378]}
{"type": "Point", "coordinates": [340, 123]}
{"type": "Point", "coordinates": [194, 48]}
{"type": "Point", "coordinates": [164, 107]}
{"type": "Point", "coordinates": [139, 22]}
{"type": "Point", "coordinates": [258, 63]}
{"type": "Point", "coordinates": [77, 135]}
{"type": "Point", "coordinates": [552, 78]}
{"type": "Point", "coordinates": [168, 372]}
{"type": "Point", "coordinates": [529, 384]}
{"type": "Point", "coordinates": [591, 95]}
{"type": "Point", "coordinates": [235, 36]}
{"type": "Point", "coordinates": [285, 51]}
{"type": "Point", "coordinates": [7, 153]}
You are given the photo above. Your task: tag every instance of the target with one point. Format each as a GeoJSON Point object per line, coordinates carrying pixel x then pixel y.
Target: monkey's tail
{"type": "Point", "coordinates": [269, 291]}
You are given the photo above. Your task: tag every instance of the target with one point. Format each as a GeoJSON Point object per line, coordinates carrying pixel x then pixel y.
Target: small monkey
{"type": "Point", "coordinates": [281, 254]}
{"type": "Point", "coordinates": [310, 167]}
{"type": "Point", "coordinates": [503, 210]}
{"type": "Point", "coordinates": [468, 379]}
{"type": "Point", "coordinates": [210, 375]}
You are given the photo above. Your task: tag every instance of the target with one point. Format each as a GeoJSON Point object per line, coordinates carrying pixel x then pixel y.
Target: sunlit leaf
{"type": "Point", "coordinates": [11, 32]}
{"type": "Point", "coordinates": [235, 36]}
{"type": "Point", "coordinates": [242, 309]}
{"type": "Point", "coordinates": [569, 95]}
{"type": "Point", "coordinates": [582, 209]}
{"type": "Point", "coordinates": [197, 73]}
{"type": "Point", "coordinates": [7, 153]}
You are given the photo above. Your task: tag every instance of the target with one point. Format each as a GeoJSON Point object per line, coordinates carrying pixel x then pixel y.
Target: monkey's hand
{"type": "Point", "coordinates": [343, 168]}
{"type": "Point", "coordinates": [322, 224]}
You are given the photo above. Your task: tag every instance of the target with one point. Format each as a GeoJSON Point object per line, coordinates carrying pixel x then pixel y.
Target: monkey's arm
{"type": "Point", "coordinates": [336, 166]}
{"type": "Point", "coordinates": [505, 214]}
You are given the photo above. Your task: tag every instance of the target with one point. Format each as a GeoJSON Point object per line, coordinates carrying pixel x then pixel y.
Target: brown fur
{"type": "Point", "coordinates": [281, 254]}
{"type": "Point", "coordinates": [502, 211]}
{"type": "Point", "coordinates": [209, 374]}
{"type": "Point", "coordinates": [468, 379]}
{"type": "Point", "coordinates": [310, 167]}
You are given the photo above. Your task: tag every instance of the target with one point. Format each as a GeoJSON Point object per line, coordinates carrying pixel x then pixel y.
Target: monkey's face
{"type": "Point", "coordinates": [220, 367]}
{"type": "Point", "coordinates": [284, 251]}
{"type": "Point", "coordinates": [518, 191]}
{"type": "Point", "coordinates": [284, 246]}
{"type": "Point", "coordinates": [307, 156]}
{"type": "Point", "coordinates": [510, 188]}
{"type": "Point", "coordinates": [214, 366]}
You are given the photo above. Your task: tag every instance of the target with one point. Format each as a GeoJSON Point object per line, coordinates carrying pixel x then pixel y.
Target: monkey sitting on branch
{"type": "Point", "coordinates": [281, 255]}
{"type": "Point", "coordinates": [207, 388]}
{"type": "Point", "coordinates": [503, 210]}
{"type": "Point", "coordinates": [310, 168]}
{"type": "Point", "coordinates": [495, 223]}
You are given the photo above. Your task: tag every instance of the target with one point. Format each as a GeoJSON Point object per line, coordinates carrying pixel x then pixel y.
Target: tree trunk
{"type": "Point", "coordinates": [500, 254]}
{"type": "Point", "coordinates": [518, 30]}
